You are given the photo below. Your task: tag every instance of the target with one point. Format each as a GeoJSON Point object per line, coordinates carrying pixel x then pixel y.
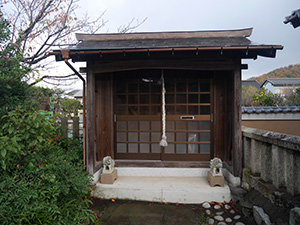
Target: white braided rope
{"type": "Point", "coordinates": [163, 141]}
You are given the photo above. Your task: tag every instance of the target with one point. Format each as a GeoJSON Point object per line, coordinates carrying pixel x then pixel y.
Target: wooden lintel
{"type": "Point", "coordinates": [159, 163]}
{"type": "Point", "coordinates": [162, 64]}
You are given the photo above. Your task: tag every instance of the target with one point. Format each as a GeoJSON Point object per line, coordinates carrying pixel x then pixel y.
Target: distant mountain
{"type": "Point", "coordinates": [291, 71]}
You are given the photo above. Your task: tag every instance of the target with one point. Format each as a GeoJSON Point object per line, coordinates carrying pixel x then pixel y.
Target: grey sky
{"type": "Point", "coordinates": [265, 16]}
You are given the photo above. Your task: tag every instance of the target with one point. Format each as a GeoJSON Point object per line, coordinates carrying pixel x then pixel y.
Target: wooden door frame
{"type": "Point", "coordinates": [176, 156]}
{"type": "Point", "coordinates": [96, 68]}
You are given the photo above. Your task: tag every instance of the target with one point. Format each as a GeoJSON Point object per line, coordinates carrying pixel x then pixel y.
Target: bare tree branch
{"type": "Point", "coordinates": [58, 78]}
{"type": "Point", "coordinates": [40, 25]}
{"type": "Point", "coordinates": [130, 26]}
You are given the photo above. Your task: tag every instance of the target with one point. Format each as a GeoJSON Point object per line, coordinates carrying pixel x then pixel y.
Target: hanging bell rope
{"type": "Point", "coordinates": [163, 141]}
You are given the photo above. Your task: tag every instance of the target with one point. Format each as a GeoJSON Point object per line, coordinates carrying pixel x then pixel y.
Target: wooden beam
{"type": "Point", "coordinates": [162, 64]}
{"type": "Point", "coordinates": [159, 163]}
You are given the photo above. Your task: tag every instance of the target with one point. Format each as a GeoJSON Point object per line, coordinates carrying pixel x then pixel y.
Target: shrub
{"type": "Point", "coordinates": [42, 176]}
{"type": "Point", "coordinates": [264, 98]}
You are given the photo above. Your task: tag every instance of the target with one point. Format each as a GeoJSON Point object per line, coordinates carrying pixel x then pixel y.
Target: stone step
{"type": "Point", "coordinates": [170, 185]}
{"type": "Point", "coordinates": [162, 172]}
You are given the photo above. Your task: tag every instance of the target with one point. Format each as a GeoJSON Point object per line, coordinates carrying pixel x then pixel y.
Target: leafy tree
{"type": "Point", "coordinates": [40, 93]}
{"type": "Point", "coordinates": [41, 24]}
{"type": "Point", "coordinates": [70, 106]}
{"type": "Point", "coordinates": [292, 97]}
{"type": "Point", "coordinates": [13, 89]}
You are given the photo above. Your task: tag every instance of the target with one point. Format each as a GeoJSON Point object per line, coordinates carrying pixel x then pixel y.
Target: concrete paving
{"type": "Point", "coordinates": [172, 189]}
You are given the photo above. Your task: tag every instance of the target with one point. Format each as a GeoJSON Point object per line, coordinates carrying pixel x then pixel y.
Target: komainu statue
{"type": "Point", "coordinates": [108, 165]}
{"type": "Point", "coordinates": [216, 167]}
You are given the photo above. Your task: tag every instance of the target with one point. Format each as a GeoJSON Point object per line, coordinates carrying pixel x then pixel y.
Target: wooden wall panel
{"type": "Point", "coordinates": [219, 115]}
{"type": "Point", "coordinates": [223, 115]}
{"type": "Point", "coordinates": [104, 116]}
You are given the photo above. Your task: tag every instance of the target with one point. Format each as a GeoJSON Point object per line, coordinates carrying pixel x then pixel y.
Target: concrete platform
{"type": "Point", "coordinates": [172, 185]}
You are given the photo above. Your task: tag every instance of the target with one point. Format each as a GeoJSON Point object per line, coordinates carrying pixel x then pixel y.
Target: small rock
{"type": "Point", "coordinates": [239, 223]}
{"type": "Point", "coordinates": [219, 213]}
{"type": "Point", "coordinates": [208, 212]}
{"type": "Point", "coordinates": [260, 216]}
{"type": "Point", "coordinates": [228, 220]}
{"type": "Point", "coordinates": [227, 206]}
{"type": "Point", "coordinates": [217, 207]}
{"type": "Point", "coordinates": [206, 205]}
{"type": "Point", "coordinates": [237, 217]}
{"type": "Point", "coordinates": [232, 211]}
{"type": "Point", "coordinates": [295, 216]}
{"type": "Point", "coordinates": [218, 218]}
{"type": "Point", "coordinates": [221, 223]}
{"type": "Point", "coordinates": [211, 221]}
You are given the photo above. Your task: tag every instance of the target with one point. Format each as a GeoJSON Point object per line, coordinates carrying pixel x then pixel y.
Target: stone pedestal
{"type": "Point", "coordinates": [214, 181]}
{"type": "Point", "coordinates": [109, 178]}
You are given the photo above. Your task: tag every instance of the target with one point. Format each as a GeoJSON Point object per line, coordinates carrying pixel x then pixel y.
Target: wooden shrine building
{"type": "Point", "coordinates": [201, 72]}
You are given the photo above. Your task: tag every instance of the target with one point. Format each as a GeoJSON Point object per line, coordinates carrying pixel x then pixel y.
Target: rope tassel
{"type": "Point", "coordinates": [163, 141]}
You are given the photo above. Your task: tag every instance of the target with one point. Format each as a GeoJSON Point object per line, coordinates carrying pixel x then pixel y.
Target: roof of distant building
{"type": "Point", "coordinates": [72, 92]}
{"type": "Point", "coordinates": [282, 81]}
{"type": "Point", "coordinates": [248, 83]}
{"type": "Point", "coordinates": [270, 109]}
{"type": "Point", "coordinates": [294, 18]}
{"type": "Point", "coordinates": [78, 94]}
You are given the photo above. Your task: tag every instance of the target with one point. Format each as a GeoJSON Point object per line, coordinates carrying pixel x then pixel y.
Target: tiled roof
{"type": "Point", "coordinates": [160, 40]}
{"type": "Point", "coordinates": [283, 81]}
{"type": "Point", "coordinates": [164, 43]}
{"type": "Point", "coordinates": [270, 109]}
{"type": "Point", "coordinates": [253, 83]}
{"type": "Point", "coordinates": [227, 42]}
{"type": "Point", "coordinates": [294, 18]}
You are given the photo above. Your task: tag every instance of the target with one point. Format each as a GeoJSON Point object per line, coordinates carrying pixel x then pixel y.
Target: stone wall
{"type": "Point", "coordinates": [271, 176]}
{"type": "Point", "coordinates": [273, 157]}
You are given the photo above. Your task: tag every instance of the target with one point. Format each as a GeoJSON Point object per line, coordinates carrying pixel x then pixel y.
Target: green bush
{"type": "Point", "coordinates": [264, 98]}
{"type": "Point", "coordinates": [42, 176]}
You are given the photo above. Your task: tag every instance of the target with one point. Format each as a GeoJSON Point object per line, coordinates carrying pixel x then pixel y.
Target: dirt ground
{"type": "Point", "coordinates": [122, 212]}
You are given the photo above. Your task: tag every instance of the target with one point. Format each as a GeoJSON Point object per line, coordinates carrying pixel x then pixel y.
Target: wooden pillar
{"type": "Point", "coordinates": [237, 121]}
{"type": "Point", "coordinates": [90, 125]}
